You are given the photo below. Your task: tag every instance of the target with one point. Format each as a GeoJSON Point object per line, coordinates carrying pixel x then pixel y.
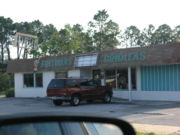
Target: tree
{"type": "Point", "coordinates": [4, 81]}
{"type": "Point", "coordinates": [177, 33]}
{"type": "Point", "coordinates": [6, 32]}
{"type": "Point", "coordinates": [132, 37]}
{"type": "Point", "coordinates": [104, 32]}
{"type": "Point", "coordinates": [163, 35]}
{"type": "Point", "coordinates": [79, 41]}
{"type": "Point", "coordinates": [71, 39]}
{"type": "Point", "coordinates": [147, 35]}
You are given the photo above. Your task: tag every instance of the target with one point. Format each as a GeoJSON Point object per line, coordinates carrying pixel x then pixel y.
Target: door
{"type": "Point", "coordinates": [89, 89]}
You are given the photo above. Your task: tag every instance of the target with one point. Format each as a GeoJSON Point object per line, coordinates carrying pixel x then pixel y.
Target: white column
{"type": "Point", "coordinates": [129, 84]}
{"type": "Point", "coordinates": [116, 79]}
{"type": "Point", "coordinates": [138, 79]}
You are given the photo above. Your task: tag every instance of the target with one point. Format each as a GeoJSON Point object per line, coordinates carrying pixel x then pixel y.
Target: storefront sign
{"type": "Point", "coordinates": [56, 63]}
{"type": "Point", "coordinates": [124, 57]}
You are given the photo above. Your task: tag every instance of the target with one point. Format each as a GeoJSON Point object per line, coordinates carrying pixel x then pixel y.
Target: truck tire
{"type": "Point", "coordinates": [57, 102]}
{"type": "Point", "coordinates": [107, 98]}
{"type": "Point", "coordinates": [75, 100]}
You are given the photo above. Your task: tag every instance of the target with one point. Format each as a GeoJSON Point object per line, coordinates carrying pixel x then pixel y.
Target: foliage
{"type": "Point", "coordinates": [9, 92]}
{"type": "Point", "coordinates": [163, 35]}
{"type": "Point", "coordinates": [132, 36]}
{"type": "Point", "coordinates": [6, 31]}
{"type": "Point", "coordinates": [4, 81]}
{"type": "Point", "coordinates": [104, 32]}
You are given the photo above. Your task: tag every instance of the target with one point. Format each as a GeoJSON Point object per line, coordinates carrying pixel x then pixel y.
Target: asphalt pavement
{"type": "Point", "coordinates": [147, 116]}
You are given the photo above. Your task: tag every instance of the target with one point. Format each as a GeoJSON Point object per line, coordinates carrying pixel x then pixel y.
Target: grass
{"type": "Point", "coordinates": [140, 133]}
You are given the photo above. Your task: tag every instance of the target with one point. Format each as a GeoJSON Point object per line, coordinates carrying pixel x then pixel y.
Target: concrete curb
{"type": "Point", "coordinates": [158, 129]}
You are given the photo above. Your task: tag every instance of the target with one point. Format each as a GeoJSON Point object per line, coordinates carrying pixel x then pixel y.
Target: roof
{"type": "Point", "coordinates": [139, 56]}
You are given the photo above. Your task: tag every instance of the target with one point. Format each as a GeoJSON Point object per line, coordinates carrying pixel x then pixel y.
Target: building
{"type": "Point", "coordinates": [147, 73]}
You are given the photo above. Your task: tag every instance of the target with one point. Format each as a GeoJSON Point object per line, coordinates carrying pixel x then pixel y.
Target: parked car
{"type": "Point", "coordinates": [75, 90]}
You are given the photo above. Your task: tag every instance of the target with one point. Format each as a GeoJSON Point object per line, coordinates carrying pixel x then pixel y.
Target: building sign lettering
{"type": "Point", "coordinates": [56, 62]}
{"type": "Point", "coordinates": [124, 57]}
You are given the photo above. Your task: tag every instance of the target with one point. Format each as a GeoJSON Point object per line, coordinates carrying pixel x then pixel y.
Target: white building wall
{"type": "Point", "coordinates": [74, 73]}
{"type": "Point", "coordinates": [20, 91]}
{"type": "Point", "coordinates": [148, 95]}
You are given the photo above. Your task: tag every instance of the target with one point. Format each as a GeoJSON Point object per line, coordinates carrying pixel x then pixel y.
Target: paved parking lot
{"type": "Point", "coordinates": [141, 112]}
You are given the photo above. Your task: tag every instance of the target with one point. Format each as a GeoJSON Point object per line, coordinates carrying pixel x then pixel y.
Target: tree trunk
{"type": "Point", "coordinates": [2, 53]}
{"type": "Point", "coordinates": [8, 51]}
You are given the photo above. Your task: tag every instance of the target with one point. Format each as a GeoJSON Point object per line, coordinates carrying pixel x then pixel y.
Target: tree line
{"type": "Point", "coordinates": [101, 33]}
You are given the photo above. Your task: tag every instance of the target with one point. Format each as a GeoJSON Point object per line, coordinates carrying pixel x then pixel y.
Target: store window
{"type": "Point", "coordinates": [133, 78]}
{"type": "Point", "coordinates": [86, 60]}
{"type": "Point", "coordinates": [38, 80]}
{"type": "Point", "coordinates": [97, 75]}
{"type": "Point", "coordinates": [110, 78]}
{"type": "Point", "coordinates": [122, 79]}
{"type": "Point", "coordinates": [28, 80]}
{"type": "Point", "coordinates": [119, 78]}
{"type": "Point", "coordinates": [72, 83]}
{"type": "Point", "coordinates": [33, 80]}
{"type": "Point", "coordinates": [61, 75]}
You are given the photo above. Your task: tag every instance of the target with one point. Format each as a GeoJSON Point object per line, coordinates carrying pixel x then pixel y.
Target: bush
{"type": "Point", "coordinates": [10, 92]}
{"type": "Point", "coordinates": [4, 81]}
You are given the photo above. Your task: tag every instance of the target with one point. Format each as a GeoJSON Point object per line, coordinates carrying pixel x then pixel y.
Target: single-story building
{"type": "Point", "coordinates": [141, 73]}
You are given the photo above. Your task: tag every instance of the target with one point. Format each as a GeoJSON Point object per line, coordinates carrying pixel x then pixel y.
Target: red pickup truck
{"type": "Point", "coordinates": [75, 90]}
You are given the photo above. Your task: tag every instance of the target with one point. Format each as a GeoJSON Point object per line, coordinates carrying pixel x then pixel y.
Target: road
{"type": "Point", "coordinates": [141, 112]}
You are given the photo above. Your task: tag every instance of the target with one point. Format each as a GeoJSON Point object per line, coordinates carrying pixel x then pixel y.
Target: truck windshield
{"type": "Point", "coordinates": [57, 83]}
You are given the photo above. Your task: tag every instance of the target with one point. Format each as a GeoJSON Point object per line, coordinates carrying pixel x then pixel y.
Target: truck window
{"type": "Point", "coordinates": [88, 83]}
{"type": "Point", "coordinates": [57, 83]}
{"type": "Point", "coordinates": [72, 83]}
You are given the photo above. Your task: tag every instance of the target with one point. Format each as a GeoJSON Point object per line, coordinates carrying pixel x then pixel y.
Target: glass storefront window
{"type": "Point", "coordinates": [133, 78]}
{"type": "Point", "coordinates": [61, 75]}
{"type": "Point", "coordinates": [39, 79]}
{"type": "Point", "coordinates": [110, 76]}
{"type": "Point", "coordinates": [122, 79]}
{"type": "Point", "coordinates": [28, 80]}
{"type": "Point", "coordinates": [33, 80]}
{"type": "Point", "coordinates": [97, 75]}
{"type": "Point", "coordinates": [119, 78]}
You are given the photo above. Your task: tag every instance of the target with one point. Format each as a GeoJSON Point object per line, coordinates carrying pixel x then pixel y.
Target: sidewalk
{"type": "Point", "coordinates": [158, 129]}
{"type": "Point", "coordinates": [147, 128]}
{"type": "Point", "coordinates": [2, 96]}
{"type": "Point", "coordinates": [143, 102]}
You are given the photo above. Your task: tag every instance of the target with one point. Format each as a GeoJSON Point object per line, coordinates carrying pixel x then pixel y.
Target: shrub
{"type": "Point", "coordinates": [10, 92]}
{"type": "Point", "coordinates": [4, 81]}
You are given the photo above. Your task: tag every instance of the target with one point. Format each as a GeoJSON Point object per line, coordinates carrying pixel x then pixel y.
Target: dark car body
{"type": "Point", "coordinates": [66, 89]}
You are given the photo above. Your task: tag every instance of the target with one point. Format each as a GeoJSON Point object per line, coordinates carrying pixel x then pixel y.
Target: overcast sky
{"type": "Point", "coordinates": [124, 12]}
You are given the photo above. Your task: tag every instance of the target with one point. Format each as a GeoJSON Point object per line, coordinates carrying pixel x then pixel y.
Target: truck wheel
{"type": "Point", "coordinates": [107, 98]}
{"type": "Point", "coordinates": [57, 102]}
{"type": "Point", "coordinates": [75, 100]}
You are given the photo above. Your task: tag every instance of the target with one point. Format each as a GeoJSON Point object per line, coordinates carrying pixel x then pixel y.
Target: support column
{"type": "Point", "coordinates": [116, 79]}
{"type": "Point", "coordinates": [103, 77]}
{"type": "Point", "coordinates": [129, 84]}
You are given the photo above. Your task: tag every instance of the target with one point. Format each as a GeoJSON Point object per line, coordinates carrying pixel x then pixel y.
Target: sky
{"type": "Point", "coordinates": [124, 12]}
